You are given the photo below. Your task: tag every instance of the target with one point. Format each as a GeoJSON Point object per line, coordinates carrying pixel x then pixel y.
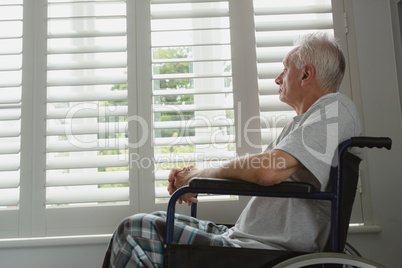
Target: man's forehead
{"type": "Point", "coordinates": [289, 56]}
{"type": "Point", "coordinates": [286, 60]}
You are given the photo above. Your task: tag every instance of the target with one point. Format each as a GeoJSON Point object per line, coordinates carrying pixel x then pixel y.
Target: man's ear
{"type": "Point", "coordinates": [308, 74]}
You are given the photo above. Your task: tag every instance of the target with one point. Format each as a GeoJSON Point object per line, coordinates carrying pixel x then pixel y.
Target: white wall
{"type": "Point", "coordinates": [381, 117]}
{"type": "Point", "coordinates": [73, 256]}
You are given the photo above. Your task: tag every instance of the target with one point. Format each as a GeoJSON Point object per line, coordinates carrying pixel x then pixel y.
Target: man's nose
{"type": "Point", "coordinates": [278, 79]}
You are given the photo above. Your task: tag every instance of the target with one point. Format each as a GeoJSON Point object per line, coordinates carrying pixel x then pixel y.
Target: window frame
{"type": "Point", "coordinates": [33, 220]}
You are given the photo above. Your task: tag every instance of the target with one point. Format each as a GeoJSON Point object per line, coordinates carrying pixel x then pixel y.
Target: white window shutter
{"type": "Point", "coordinates": [181, 74]}
{"type": "Point", "coordinates": [278, 24]}
{"type": "Point", "coordinates": [86, 148]}
{"type": "Point", "coordinates": [192, 86]}
{"type": "Point", "coordinates": [10, 102]}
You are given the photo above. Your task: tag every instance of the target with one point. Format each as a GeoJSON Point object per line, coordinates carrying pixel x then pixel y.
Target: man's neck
{"type": "Point", "coordinates": [309, 100]}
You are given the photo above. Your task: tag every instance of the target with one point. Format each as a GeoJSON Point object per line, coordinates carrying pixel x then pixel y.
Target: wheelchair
{"type": "Point", "coordinates": [341, 196]}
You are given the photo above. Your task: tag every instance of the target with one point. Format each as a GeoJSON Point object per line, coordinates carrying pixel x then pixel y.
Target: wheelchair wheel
{"type": "Point", "coordinates": [328, 258]}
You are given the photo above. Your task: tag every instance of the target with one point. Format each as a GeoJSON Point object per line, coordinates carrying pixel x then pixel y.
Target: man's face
{"type": "Point", "coordinates": [289, 81]}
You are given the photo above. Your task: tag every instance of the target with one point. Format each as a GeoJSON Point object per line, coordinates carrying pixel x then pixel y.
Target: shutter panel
{"type": "Point", "coordinates": [86, 148]}
{"type": "Point", "coordinates": [10, 102]}
{"type": "Point", "coordinates": [278, 24]}
{"type": "Point", "coordinates": [192, 86]}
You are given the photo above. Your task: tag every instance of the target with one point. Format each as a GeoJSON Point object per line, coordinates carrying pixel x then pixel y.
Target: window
{"type": "Point", "coordinates": [10, 112]}
{"type": "Point", "coordinates": [105, 97]}
{"type": "Point", "coordinates": [192, 87]}
{"type": "Point", "coordinates": [86, 160]}
{"type": "Point", "coordinates": [87, 108]}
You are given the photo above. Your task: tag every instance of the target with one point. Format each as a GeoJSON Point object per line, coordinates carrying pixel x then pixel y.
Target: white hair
{"type": "Point", "coordinates": [324, 53]}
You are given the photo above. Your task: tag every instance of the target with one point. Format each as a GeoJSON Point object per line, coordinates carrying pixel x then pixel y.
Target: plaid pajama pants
{"type": "Point", "coordinates": [138, 240]}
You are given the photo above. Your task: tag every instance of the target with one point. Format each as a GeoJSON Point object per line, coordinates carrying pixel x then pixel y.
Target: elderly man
{"type": "Point", "coordinates": [309, 82]}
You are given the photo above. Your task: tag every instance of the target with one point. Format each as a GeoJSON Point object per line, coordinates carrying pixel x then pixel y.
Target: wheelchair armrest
{"type": "Point", "coordinates": [242, 186]}
{"type": "Point", "coordinates": [237, 187]}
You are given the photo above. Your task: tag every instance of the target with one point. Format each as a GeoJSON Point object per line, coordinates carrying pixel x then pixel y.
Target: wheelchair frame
{"type": "Point", "coordinates": [341, 196]}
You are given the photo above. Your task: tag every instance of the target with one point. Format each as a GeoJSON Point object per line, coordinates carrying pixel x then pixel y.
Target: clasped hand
{"type": "Point", "coordinates": [178, 178]}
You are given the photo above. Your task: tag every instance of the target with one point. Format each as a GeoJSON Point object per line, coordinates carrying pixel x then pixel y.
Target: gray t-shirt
{"type": "Point", "coordinates": [299, 224]}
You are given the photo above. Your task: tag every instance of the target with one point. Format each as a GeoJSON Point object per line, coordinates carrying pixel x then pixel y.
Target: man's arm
{"type": "Point", "coordinates": [266, 168]}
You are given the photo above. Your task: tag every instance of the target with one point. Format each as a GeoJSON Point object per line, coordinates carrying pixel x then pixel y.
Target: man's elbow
{"type": "Point", "coordinates": [269, 177]}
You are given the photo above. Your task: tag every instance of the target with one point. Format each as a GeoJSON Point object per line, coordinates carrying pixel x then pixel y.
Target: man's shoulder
{"type": "Point", "coordinates": [336, 100]}
{"type": "Point", "coordinates": [334, 97]}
